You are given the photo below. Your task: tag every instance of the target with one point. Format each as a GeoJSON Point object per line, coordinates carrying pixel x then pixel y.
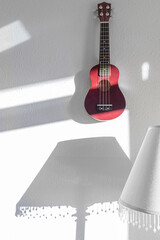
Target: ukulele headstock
{"type": "Point", "coordinates": [104, 11]}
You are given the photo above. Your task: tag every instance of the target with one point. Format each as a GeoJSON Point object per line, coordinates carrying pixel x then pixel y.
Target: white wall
{"type": "Point", "coordinates": [46, 51]}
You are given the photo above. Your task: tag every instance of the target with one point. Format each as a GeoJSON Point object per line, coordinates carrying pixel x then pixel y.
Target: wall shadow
{"type": "Point", "coordinates": [34, 114]}
{"type": "Point", "coordinates": [79, 173]}
{"type": "Point", "coordinates": [56, 49]}
{"type": "Point", "coordinates": [60, 34]}
{"type": "Point", "coordinates": [76, 107]}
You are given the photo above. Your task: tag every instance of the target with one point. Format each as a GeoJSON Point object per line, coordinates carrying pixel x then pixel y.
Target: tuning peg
{"type": "Point", "coordinates": [96, 16]}
{"type": "Point", "coordinates": [95, 12]}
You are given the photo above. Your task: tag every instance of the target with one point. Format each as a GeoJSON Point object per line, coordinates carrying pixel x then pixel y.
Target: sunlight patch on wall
{"type": "Point", "coordinates": [36, 92]}
{"type": "Point", "coordinates": [13, 34]}
{"type": "Point", "coordinates": [145, 71]}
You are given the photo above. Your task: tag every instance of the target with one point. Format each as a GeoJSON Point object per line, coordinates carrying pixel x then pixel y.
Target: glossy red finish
{"type": "Point", "coordinates": [112, 96]}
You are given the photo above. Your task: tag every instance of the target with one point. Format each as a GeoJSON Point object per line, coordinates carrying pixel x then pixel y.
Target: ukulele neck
{"type": "Point", "coordinates": [104, 51]}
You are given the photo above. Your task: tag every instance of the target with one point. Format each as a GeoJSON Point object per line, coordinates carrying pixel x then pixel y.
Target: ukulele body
{"type": "Point", "coordinates": [104, 100]}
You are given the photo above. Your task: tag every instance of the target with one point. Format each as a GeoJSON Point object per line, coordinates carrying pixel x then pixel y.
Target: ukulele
{"type": "Point", "coordinates": [104, 100]}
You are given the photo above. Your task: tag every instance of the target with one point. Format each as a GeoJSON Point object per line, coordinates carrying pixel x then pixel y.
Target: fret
{"type": "Point", "coordinates": [102, 52]}
{"type": "Point", "coordinates": [104, 38]}
{"type": "Point", "coordinates": [101, 61]}
{"type": "Point", "coordinates": [104, 47]}
{"type": "Point", "coordinates": [104, 56]}
{"type": "Point", "coordinates": [104, 62]}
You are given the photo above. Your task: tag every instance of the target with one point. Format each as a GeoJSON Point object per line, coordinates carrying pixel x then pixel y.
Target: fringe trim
{"type": "Point", "coordinates": [105, 208]}
{"type": "Point", "coordinates": [65, 211]}
{"type": "Point", "coordinates": [139, 219]}
{"type": "Point", "coordinates": [45, 212]}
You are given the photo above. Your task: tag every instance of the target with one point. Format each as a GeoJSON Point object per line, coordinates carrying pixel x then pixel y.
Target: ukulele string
{"type": "Point", "coordinates": [100, 65]}
{"type": "Point", "coordinates": [107, 57]}
{"type": "Point", "coordinates": [104, 55]}
{"type": "Point", "coordinates": [105, 66]}
{"type": "Point", "coordinates": [106, 63]}
{"type": "Point", "coordinates": [109, 67]}
{"type": "Point", "coordinates": [101, 59]}
{"type": "Point", "coordinates": [103, 62]}
{"type": "Point", "coordinates": [107, 93]}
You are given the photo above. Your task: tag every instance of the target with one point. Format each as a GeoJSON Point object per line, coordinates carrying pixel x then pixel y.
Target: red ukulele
{"type": "Point", "coordinates": [104, 100]}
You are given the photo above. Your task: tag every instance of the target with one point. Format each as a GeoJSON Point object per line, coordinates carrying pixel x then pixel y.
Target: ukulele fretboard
{"type": "Point", "coordinates": [104, 51]}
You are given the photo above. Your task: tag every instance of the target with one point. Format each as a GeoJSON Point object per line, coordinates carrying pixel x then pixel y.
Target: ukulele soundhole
{"type": "Point", "coordinates": [104, 85]}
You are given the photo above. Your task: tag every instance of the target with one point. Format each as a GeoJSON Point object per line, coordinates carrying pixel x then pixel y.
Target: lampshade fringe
{"type": "Point", "coordinates": [105, 207]}
{"type": "Point", "coordinates": [139, 219]}
{"type": "Point", "coordinates": [65, 211]}
{"type": "Point", "coordinates": [45, 212]}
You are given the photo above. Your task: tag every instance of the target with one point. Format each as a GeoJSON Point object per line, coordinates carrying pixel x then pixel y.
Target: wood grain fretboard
{"type": "Point", "coordinates": [104, 51]}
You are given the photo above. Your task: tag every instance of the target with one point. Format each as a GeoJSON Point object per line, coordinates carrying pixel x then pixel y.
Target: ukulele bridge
{"type": "Point", "coordinates": [104, 107]}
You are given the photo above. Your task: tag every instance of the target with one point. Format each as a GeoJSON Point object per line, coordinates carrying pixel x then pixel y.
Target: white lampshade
{"type": "Point", "coordinates": [140, 198]}
{"type": "Point", "coordinates": [79, 174]}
